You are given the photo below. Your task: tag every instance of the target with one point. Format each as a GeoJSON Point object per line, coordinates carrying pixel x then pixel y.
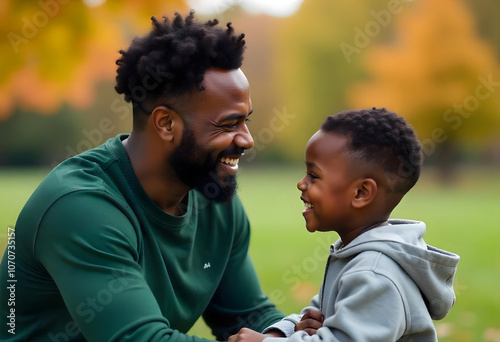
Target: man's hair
{"type": "Point", "coordinates": [381, 137]}
{"type": "Point", "coordinates": [171, 60]}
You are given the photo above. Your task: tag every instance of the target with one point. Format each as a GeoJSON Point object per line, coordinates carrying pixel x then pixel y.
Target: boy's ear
{"type": "Point", "coordinates": [167, 123]}
{"type": "Point", "coordinates": [366, 190]}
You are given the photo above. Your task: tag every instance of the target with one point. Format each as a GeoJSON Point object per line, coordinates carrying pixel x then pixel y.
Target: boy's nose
{"type": "Point", "coordinates": [302, 185]}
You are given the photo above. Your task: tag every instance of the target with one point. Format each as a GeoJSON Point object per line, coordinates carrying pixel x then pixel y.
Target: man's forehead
{"type": "Point", "coordinates": [226, 92]}
{"type": "Point", "coordinates": [216, 78]}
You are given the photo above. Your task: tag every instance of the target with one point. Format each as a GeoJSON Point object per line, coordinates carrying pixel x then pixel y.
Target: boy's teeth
{"type": "Point", "coordinates": [230, 161]}
{"type": "Point", "coordinates": [308, 205]}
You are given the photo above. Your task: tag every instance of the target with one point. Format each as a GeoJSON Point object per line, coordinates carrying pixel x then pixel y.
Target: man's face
{"type": "Point", "coordinates": [215, 135]}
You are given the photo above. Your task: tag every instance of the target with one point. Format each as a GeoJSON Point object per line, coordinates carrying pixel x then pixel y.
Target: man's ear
{"type": "Point", "coordinates": [167, 123]}
{"type": "Point", "coordinates": [365, 192]}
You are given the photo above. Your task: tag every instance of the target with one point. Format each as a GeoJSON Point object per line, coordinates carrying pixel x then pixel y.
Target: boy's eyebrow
{"type": "Point", "coordinates": [312, 165]}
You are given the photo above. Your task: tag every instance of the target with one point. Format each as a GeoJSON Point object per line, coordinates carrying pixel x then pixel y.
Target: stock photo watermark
{"type": "Point", "coordinates": [96, 136]}
{"type": "Point", "coordinates": [453, 119]}
{"type": "Point", "coordinates": [88, 308]}
{"type": "Point", "coordinates": [277, 124]}
{"type": "Point", "coordinates": [302, 271]}
{"type": "Point", "coordinates": [11, 281]}
{"type": "Point", "coordinates": [32, 25]}
{"type": "Point", "coordinates": [363, 36]}
{"type": "Point", "coordinates": [293, 276]}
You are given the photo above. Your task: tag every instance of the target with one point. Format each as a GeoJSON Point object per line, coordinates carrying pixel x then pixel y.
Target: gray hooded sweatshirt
{"type": "Point", "coordinates": [386, 285]}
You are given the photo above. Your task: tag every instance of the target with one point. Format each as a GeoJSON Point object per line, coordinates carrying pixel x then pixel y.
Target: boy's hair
{"type": "Point", "coordinates": [171, 60]}
{"type": "Point", "coordinates": [381, 137]}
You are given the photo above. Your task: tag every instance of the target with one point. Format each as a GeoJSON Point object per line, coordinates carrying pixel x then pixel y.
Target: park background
{"type": "Point", "coordinates": [436, 62]}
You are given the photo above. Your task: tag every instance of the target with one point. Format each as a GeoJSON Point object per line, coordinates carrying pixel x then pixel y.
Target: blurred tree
{"type": "Point", "coordinates": [27, 138]}
{"type": "Point", "coordinates": [55, 51]}
{"type": "Point", "coordinates": [438, 74]}
{"type": "Point", "coordinates": [488, 24]}
{"type": "Point", "coordinates": [317, 55]}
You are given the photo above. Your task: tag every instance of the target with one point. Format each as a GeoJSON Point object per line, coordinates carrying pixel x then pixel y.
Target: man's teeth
{"type": "Point", "coordinates": [230, 161]}
{"type": "Point", "coordinates": [308, 205]}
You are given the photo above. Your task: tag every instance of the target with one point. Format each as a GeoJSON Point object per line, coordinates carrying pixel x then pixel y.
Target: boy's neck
{"type": "Point", "coordinates": [351, 235]}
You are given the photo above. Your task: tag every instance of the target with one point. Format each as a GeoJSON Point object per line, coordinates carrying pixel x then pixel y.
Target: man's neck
{"type": "Point", "coordinates": [157, 178]}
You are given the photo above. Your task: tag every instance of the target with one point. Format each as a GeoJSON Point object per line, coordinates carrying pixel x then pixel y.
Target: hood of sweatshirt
{"type": "Point", "coordinates": [432, 269]}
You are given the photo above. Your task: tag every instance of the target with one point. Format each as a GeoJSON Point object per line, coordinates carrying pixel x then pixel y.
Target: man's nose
{"type": "Point", "coordinates": [243, 138]}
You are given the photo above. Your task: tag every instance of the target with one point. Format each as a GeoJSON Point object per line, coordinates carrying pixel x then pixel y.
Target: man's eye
{"type": "Point", "coordinates": [231, 125]}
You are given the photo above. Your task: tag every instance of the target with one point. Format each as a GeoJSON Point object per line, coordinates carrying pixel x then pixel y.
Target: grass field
{"type": "Point", "coordinates": [463, 218]}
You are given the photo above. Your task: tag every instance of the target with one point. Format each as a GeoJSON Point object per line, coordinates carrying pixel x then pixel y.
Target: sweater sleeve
{"type": "Point", "coordinates": [369, 307]}
{"type": "Point", "coordinates": [287, 324]}
{"type": "Point", "coordinates": [88, 245]}
{"type": "Point", "coordinates": [239, 300]}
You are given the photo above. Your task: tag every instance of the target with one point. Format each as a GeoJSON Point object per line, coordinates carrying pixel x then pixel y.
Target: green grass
{"type": "Point", "coordinates": [463, 218]}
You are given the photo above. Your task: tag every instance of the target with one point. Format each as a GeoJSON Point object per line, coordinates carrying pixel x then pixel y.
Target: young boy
{"type": "Point", "coordinates": [382, 282]}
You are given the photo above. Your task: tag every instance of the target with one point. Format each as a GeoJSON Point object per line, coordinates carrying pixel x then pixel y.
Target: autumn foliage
{"type": "Point", "coordinates": [437, 72]}
{"type": "Point", "coordinates": [56, 51]}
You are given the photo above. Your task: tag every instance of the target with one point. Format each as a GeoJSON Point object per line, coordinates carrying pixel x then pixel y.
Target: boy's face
{"type": "Point", "coordinates": [327, 188]}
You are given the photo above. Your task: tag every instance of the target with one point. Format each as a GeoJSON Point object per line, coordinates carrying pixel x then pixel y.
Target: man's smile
{"type": "Point", "coordinates": [230, 164]}
{"type": "Point", "coordinates": [230, 161]}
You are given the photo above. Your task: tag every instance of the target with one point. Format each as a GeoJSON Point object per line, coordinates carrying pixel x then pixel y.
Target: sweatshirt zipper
{"type": "Point", "coordinates": [324, 281]}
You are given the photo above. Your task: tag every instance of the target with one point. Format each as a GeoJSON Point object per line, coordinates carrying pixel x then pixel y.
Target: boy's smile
{"type": "Point", "coordinates": [308, 207]}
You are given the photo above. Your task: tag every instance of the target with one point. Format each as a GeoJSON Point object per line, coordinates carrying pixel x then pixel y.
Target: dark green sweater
{"type": "Point", "coordinates": [97, 260]}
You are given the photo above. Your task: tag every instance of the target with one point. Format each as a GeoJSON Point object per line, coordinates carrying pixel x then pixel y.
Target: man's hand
{"type": "Point", "coordinates": [310, 322]}
{"type": "Point", "coordinates": [246, 335]}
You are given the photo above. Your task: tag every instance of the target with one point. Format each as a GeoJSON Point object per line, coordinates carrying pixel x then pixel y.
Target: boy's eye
{"type": "Point", "coordinates": [311, 175]}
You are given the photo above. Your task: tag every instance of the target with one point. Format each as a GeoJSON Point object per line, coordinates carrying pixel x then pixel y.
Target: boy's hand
{"type": "Point", "coordinates": [310, 322]}
{"type": "Point", "coordinates": [247, 335]}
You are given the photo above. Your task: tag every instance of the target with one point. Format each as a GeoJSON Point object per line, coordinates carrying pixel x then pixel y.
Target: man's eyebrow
{"type": "Point", "coordinates": [236, 116]}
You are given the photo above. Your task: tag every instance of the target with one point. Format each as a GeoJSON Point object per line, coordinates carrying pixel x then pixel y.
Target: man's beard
{"type": "Point", "coordinates": [194, 167]}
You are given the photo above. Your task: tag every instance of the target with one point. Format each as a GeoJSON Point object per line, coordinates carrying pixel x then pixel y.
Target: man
{"type": "Point", "coordinates": [139, 237]}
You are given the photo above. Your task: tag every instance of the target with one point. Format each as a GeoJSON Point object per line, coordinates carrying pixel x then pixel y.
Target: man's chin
{"type": "Point", "coordinates": [218, 191]}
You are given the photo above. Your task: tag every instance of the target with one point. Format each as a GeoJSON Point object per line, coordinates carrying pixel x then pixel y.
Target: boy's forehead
{"type": "Point", "coordinates": [314, 139]}
{"type": "Point", "coordinates": [327, 140]}
{"type": "Point", "coordinates": [326, 145]}
{"type": "Point", "coordinates": [326, 150]}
